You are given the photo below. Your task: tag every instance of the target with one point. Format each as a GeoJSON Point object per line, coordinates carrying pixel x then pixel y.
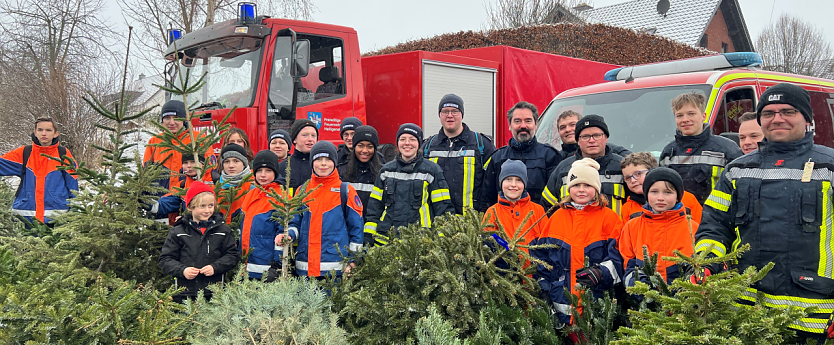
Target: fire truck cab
{"type": "Point", "coordinates": [636, 102]}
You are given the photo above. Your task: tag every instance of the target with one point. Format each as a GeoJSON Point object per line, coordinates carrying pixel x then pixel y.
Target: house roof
{"type": "Point", "coordinates": [686, 21]}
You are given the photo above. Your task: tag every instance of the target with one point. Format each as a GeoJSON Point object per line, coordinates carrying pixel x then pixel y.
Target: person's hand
{"type": "Point", "coordinates": [698, 276]}
{"type": "Point", "coordinates": [279, 239]}
{"type": "Point", "coordinates": [589, 277]}
{"type": "Point", "coordinates": [190, 272]}
{"type": "Point", "coordinates": [349, 267]}
{"type": "Point", "coordinates": [207, 271]}
{"type": "Point", "coordinates": [829, 328]}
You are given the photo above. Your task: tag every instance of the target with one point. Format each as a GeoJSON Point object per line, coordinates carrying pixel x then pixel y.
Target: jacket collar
{"type": "Point", "coordinates": [442, 134]}
{"type": "Point", "coordinates": [300, 155]}
{"type": "Point", "coordinates": [213, 222]}
{"type": "Point", "coordinates": [679, 211]}
{"type": "Point", "coordinates": [797, 147]}
{"type": "Point", "coordinates": [409, 166]}
{"type": "Point", "coordinates": [503, 201]}
{"type": "Point", "coordinates": [602, 160]}
{"type": "Point", "coordinates": [525, 146]}
{"type": "Point", "coordinates": [570, 148]}
{"type": "Point", "coordinates": [315, 180]}
{"type": "Point", "coordinates": [589, 207]}
{"type": "Point", "coordinates": [36, 142]}
{"type": "Point", "coordinates": [693, 140]}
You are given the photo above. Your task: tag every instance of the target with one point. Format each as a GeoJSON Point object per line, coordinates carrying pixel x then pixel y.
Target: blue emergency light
{"type": "Point", "coordinates": [247, 12]}
{"type": "Point", "coordinates": [173, 35]}
{"type": "Point", "coordinates": [699, 64]}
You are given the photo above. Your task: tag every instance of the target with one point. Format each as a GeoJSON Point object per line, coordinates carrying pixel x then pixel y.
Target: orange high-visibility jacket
{"type": "Point", "coordinates": [511, 214]}
{"type": "Point", "coordinates": [592, 232]}
{"type": "Point", "coordinates": [631, 207]}
{"type": "Point", "coordinates": [171, 160]}
{"type": "Point", "coordinates": [44, 189]}
{"type": "Point", "coordinates": [244, 187]}
{"type": "Point", "coordinates": [662, 233]}
{"type": "Point", "coordinates": [258, 230]}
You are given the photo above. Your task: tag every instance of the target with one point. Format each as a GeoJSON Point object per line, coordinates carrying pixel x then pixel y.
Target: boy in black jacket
{"type": "Point", "coordinates": [200, 248]}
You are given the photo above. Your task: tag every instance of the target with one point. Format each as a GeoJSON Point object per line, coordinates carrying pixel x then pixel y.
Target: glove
{"type": "Point", "coordinates": [698, 276]}
{"type": "Point", "coordinates": [829, 328]}
{"type": "Point", "coordinates": [589, 276]}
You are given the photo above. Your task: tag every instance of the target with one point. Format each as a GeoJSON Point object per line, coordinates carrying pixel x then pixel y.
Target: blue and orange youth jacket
{"type": "Point", "coordinates": [592, 232]}
{"type": "Point", "coordinates": [326, 231]}
{"type": "Point", "coordinates": [171, 160]}
{"type": "Point", "coordinates": [44, 189]}
{"type": "Point", "coordinates": [258, 231]}
{"type": "Point", "coordinates": [171, 205]}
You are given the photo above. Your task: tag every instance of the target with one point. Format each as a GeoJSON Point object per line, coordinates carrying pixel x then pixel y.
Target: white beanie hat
{"type": "Point", "coordinates": [585, 171]}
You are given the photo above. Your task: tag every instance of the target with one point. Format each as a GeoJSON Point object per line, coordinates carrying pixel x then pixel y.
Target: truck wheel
{"type": "Point", "coordinates": [388, 151]}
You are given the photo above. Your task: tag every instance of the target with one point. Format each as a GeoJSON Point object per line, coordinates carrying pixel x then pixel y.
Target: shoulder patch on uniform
{"type": "Point", "coordinates": [357, 201]}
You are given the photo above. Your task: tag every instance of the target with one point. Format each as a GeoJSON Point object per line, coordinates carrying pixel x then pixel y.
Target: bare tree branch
{"type": "Point", "coordinates": [504, 14]}
{"type": "Point", "coordinates": [792, 45]}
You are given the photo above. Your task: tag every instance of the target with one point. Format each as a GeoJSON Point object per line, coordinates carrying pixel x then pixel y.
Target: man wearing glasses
{"type": "Point", "coordinates": [779, 200]}
{"type": "Point", "coordinates": [697, 155]}
{"type": "Point", "coordinates": [592, 136]}
{"type": "Point", "coordinates": [460, 153]}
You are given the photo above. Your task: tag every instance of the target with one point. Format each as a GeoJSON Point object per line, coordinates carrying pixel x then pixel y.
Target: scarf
{"type": "Point", "coordinates": [227, 181]}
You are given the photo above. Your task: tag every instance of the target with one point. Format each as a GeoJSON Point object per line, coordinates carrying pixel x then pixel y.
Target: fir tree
{"type": "Point", "coordinates": [286, 207]}
{"type": "Point", "coordinates": [706, 313]}
{"type": "Point", "coordinates": [451, 266]}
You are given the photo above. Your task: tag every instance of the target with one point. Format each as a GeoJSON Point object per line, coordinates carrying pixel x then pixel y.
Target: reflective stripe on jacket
{"type": "Point", "coordinates": [462, 164]}
{"type": "Point", "coordinates": [662, 233]}
{"type": "Point", "coordinates": [610, 176]}
{"type": "Point", "coordinates": [699, 159]}
{"type": "Point", "coordinates": [761, 199]}
{"type": "Point", "coordinates": [539, 158]}
{"type": "Point", "coordinates": [405, 193]}
{"type": "Point", "coordinates": [325, 232]}
{"type": "Point", "coordinates": [257, 231]}
{"type": "Point", "coordinates": [44, 189]}
{"type": "Point", "coordinates": [591, 232]}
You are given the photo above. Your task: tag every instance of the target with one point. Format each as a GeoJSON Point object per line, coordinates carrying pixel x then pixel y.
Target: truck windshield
{"type": "Point", "coordinates": [231, 67]}
{"type": "Point", "coordinates": [639, 120]}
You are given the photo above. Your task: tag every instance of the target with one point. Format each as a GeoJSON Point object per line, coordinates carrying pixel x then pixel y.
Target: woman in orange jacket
{"type": "Point", "coordinates": [662, 226]}
{"type": "Point", "coordinates": [635, 166]}
{"type": "Point", "coordinates": [582, 227]}
{"type": "Point", "coordinates": [514, 205]}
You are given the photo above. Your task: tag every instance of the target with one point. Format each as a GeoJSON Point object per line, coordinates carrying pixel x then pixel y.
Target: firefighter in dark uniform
{"type": "Point", "coordinates": [779, 200]}
{"type": "Point", "coordinates": [460, 152]}
{"type": "Point", "coordinates": [346, 130]}
{"type": "Point", "coordinates": [539, 158]}
{"type": "Point", "coordinates": [592, 136]}
{"type": "Point", "coordinates": [408, 190]}
{"type": "Point", "coordinates": [697, 155]}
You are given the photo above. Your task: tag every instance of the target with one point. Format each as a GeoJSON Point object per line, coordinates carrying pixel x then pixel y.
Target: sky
{"type": "Point", "coordinates": [381, 23]}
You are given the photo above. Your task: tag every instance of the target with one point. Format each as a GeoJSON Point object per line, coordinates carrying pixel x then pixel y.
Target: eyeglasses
{"type": "Point", "coordinates": [451, 112]}
{"type": "Point", "coordinates": [636, 175]}
{"type": "Point", "coordinates": [786, 113]}
{"type": "Point", "coordinates": [587, 137]}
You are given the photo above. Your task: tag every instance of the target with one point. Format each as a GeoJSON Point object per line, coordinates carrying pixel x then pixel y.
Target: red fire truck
{"type": "Point", "coordinates": [276, 70]}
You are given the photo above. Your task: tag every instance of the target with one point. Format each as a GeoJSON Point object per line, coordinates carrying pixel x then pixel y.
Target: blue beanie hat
{"type": "Point", "coordinates": [513, 168]}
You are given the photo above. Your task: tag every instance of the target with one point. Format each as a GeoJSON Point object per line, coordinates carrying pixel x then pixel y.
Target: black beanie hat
{"type": "Point", "coordinates": [173, 108]}
{"type": "Point", "coordinates": [349, 124]}
{"type": "Point", "coordinates": [451, 100]}
{"type": "Point", "coordinates": [323, 148]}
{"type": "Point", "coordinates": [366, 133]}
{"type": "Point", "coordinates": [786, 93]}
{"type": "Point", "coordinates": [412, 129]}
{"type": "Point", "coordinates": [280, 134]}
{"type": "Point", "coordinates": [266, 159]}
{"type": "Point", "coordinates": [234, 151]}
{"type": "Point", "coordinates": [299, 124]}
{"type": "Point", "coordinates": [663, 174]}
{"type": "Point", "coordinates": [190, 157]}
{"type": "Point", "coordinates": [591, 120]}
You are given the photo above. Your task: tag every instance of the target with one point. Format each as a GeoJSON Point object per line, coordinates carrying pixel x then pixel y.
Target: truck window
{"type": "Point", "coordinates": [325, 80]}
{"type": "Point", "coordinates": [821, 105]}
{"type": "Point", "coordinates": [639, 120]}
{"type": "Point", "coordinates": [735, 103]}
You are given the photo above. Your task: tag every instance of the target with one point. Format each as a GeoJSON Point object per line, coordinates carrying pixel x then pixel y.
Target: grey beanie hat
{"type": "Point", "coordinates": [513, 168]}
{"type": "Point", "coordinates": [323, 148]}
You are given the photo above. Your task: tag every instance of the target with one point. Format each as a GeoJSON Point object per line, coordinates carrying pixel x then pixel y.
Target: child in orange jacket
{"type": "Point", "coordinates": [514, 205]}
{"type": "Point", "coordinates": [582, 227]}
{"type": "Point", "coordinates": [635, 166]}
{"type": "Point", "coordinates": [663, 227]}
{"type": "Point", "coordinates": [236, 174]}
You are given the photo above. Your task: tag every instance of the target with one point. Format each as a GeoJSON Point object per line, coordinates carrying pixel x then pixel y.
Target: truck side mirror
{"type": "Point", "coordinates": [301, 59]}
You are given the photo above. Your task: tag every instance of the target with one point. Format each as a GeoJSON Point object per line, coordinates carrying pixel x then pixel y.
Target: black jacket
{"type": "Point", "coordinates": [569, 150]}
{"type": "Point", "coordinates": [699, 159]}
{"type": "Point", "coordinates": [761, 200]}
{"type": "Point", "coordinates": [342, 154]}
{"type": "Point", "coordinates": [462, 160]}
{"type": "Point", "coordinates": [300, 169]}
{"type": "Point", "coordinates": [405, 193]}
{"type": "Point", "coordinates": [363, 182]}
{"type": "Point", "coordinates": [186, 246]}
{"type": "Point", "coordinates": [610, 177]}
{"type": "Point", "coordinates": [540, 160]}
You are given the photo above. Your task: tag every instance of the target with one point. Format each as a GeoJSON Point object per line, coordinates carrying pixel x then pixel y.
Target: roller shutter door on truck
{"type": "Point", "coordinates": [476, 85]}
